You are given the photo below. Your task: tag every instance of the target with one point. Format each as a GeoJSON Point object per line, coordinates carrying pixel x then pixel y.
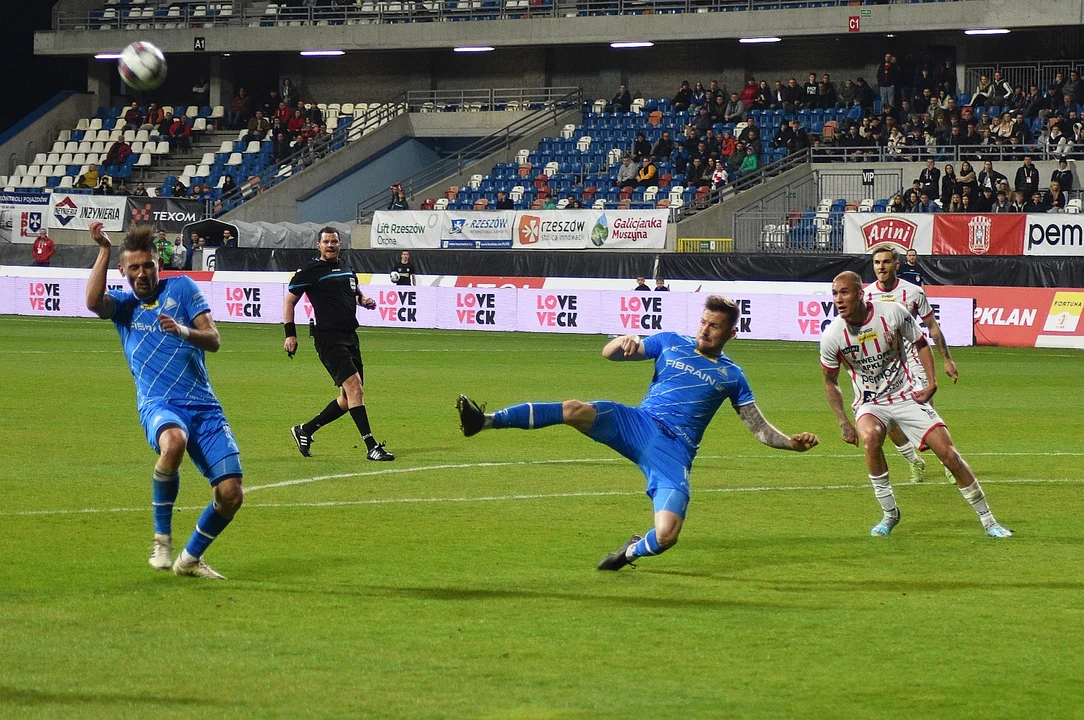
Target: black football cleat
{"type": "Point", "coordinates": [304, 442]}
{"type": "Point", "coordinates": [379, 454]}
{"type": "Point", "coordinates": [617, 559]}
{"type": "Point", "coordinates": [471, 417]}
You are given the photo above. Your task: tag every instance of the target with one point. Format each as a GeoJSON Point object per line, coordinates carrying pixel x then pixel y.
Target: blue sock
{"type": "Point", "coordinates": [648, 545]}
{"type": "Point", "coordinates": [529, 416]}
{"type": "Point", "coordinates": [208, 527]}
{"type": "Point", "coordinates": [163, 495]}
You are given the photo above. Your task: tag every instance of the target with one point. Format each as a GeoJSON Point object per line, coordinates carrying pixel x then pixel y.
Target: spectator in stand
{"type": "Point", "coordinates": [398, 198]}
{"type": "Point", "coordinates": [280, 148]}
{"type": "Point", "coordinates": [810, 93]}
{"type": "Point", "coordinates": [162, 130]}
{"type": "Point", "coordinates": [694, 174]}
{"type": "Point", "coordinates": [238, 115]}
{"type": "Point", "coordinates": [622, 100]}
{"type": "Point", "coordinates": [946, 78]}
{"type": "Point", "coordinates": [699, 98]}
{"type": "Point", "coordinates": [908, 69]}
{"type": "Point", "coordinates": [548, 203]}
{"type": "Point", "coordinates": [799, 140]}
{"type": "Point", "coordinates": [179, 260]}
{"type": "Point", "coordinates": [121, 188]}
{"type": "Point", "coordinates": [826, 93]}
{"type": "Point", "coordinates": [990, 178]}
{"type": "Point", "coordinates": [764, 96]}
{"type": "Point", "coordinates": [140, 191]}
{"type": "Point", "coordinates": [865, 96]}
{"type": "Point", "coordinates": [180, 133]}
{"type": "Point", "coordinates": [1055, 198]}
{"type": "Point", "coordinates": [848, 95]}
{"type": "Point", "coordinates": [258, 127]}
{"type": "Point", "coordinates": [179, 189]}
{"type": "Point", "coordinates": [504, 202]}
{"type": "Point", "coordinates": [735, 110]}
{"type": "Point", "coordinates": [1018, 202]}
{"type": "Point", "coordinates": [897, 204]}
{"type": "Point", "coordinates": [683, 97]}
{"type": "Point", "coordinates": [734, 162]}
{"type": "Point", "coordinates": [153, 118]}
{"type": "Point", "coordinates": [573, 203]}
{"type": "Point", "coordinates": [660, 285]}
{"type": "Point", "coordinates": [982, 92]}
{"type": "Point", "coordinates": [228, 240]}
{"type": "Point", "coordinates": [201, 91]}
{"type": "Point", "coordinates": [925, 204]}
{"type": "Point", "coordinates": [888, 76]}
{"type": "Point", "coordinates": [923, 102]}
{"type": "Point", "coordinates": [793, 97]}
{"type": "Point", "coordinates": [750, 163]}
{"type": "Point", "coordinates": [967, 205]}
{"type": "Point", "coordinates": [89, 179]}
{"type": "Point", "coordinates": [283, 114]}
{"type": "Point", "coordinates": [750, 93]}
{"type": "Point", "coordinates": [648, 174]}
{"type": "Point", "coordinates": [703, 121]}
{"type": "Point", "coordinates": [680, 158]}
{"type": "Point", "coordinates": [930, 178]}
{"type": "Point", "coordinates": [1062, 175]}
{"type": "Point", "coordinates": [228, 185]}
{"type": "Point", "coordinates": [43, 249]}
{"type": "Point", "coordinates": [641, 148]}
{"type": "Point", "coordinates": [986, 200]}
{"type": "Point", "coordinates": [118, 153]}
{"type": "Point", "coordinates": [719, 176]}
{"type": "Point", "coordinates": [105, 187]}
{"type": "Point", "coordinates": [948, 185]}
{"type": "Point", "coordinates": [1027, 178]}
{"type": "Point", "coordinates": [133, 119]}
{"type": "Point", "coordinates": [663, 147]}
{"type": "Point", "coordinates": [1001, 203]}
{"type": "Point", "coordinates": [1035, 204]}
{"type": "Point", "coordinates": [295, 125]}
{"type": "Point", "coordinates": [783, 136]}
{"type": "Point", "coordinates": [726, 145]}
{"type": "Point", "coordinates": [1000, 90]}
{"type": "Point", "coordinates": [711, 143]}
{"type": "Point", "coordinates": [289, 93]}
{"type": "Point", "coordinates": [641, 284]}
{"type": "Point", "coordinates": [626, 173]}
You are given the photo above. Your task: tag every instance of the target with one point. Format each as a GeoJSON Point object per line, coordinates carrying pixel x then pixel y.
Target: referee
{"type": "Point", "coordinates": [334, 293]}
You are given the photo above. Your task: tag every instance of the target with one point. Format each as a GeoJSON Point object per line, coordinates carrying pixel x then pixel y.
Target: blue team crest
{"type": "Point", "coordinates": [169, 305]}
{"type": "Point", "coordinates": [32, 222]}
{"type": "Point", "coordinates": [457, 226]}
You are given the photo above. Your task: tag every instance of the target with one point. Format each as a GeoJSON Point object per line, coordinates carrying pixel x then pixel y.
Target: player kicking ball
{"type": "Point", "coordinates": [165, 328]}
{"type": "Point", "coordinates": [889, 287]}
{"type": "Point", "coordinates": [692, 379]}
{"type": "Point", "coordinates": [871, 339]}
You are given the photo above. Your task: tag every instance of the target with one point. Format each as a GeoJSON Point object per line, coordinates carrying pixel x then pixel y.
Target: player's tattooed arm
{"type": "Point", "coordinates": [938, 338]}
{"type": "Point", "coordinates": [768, 434]}
{"type": "Point", "coordinates": [835, 401]}
{"type": "Point", "coordinates": [97, 301]}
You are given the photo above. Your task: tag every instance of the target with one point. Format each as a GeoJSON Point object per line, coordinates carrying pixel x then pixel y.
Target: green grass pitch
{"type": "Point", "coordinates": [460, 582]}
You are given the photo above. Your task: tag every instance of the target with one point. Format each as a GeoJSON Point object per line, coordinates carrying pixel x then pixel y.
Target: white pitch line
{"type": "Point", "coordinates": [536, 496]}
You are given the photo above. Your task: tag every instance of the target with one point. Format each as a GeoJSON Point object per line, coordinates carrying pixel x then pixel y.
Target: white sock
{"type": "Point", "coordinates": [908, 451]}
{"type": "Point", "coordinates": [973, 494]}
{"type": "Point", "coordinates": [186, 559]}
{"type": "Point", "coordinates": [882, 490]}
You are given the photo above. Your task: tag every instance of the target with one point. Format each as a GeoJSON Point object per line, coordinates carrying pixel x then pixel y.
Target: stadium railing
{"type": "Point", "coordinates": [1024, 74]}
{"type": "Point", "coordinates": [744, 182]}
{"type": "Point", "coordinates": [940, 153]}
{"type": "Point", "coordinates": [503, 139]}
{"type": "Point", "coordinates": [223, 14]}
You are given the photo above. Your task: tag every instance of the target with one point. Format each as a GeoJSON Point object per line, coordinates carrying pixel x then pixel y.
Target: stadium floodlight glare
{"type": "Point", "coordinates": [987, 31]}
{"type": "Point", "coordinates": [107, 56]}
{"type": "Point", "coordinates": [322, 53]}
{"type": "Point", "coordinates": [759, 40]}
{"type": "Point", "coordinates": [631, 44]}
{"type": "Point", "coordinates": [473, 49]}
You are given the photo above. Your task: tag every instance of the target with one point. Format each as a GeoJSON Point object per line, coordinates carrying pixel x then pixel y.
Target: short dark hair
{"type": "Point", "coordinates": [724, 305]}
{"type": "Point", "coordinates": [886, 249]}
{"type": "Point", "coordinates": [328, 229]}
{"type": "Point", "coordinates": [140, 239]}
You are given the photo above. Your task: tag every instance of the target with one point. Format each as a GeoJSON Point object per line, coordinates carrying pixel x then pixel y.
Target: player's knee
{"type": "Point", "coordinates": [229, 495]}
{"type": "Point", "coordinates": [872, 436]}
{"type": "Point", "coordinates": [171, 444]}
{"type": "Point", "coordinates": [667, 537]}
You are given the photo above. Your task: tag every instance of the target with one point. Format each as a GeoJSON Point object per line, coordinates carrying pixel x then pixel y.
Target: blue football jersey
{"type": "Point", "coordinates": [164, 366]}
{"type": "Point", "coordinates": [688, 387]}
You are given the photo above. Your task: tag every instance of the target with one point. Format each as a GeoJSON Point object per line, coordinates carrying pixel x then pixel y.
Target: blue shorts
{"type": "Point", "coordinates": [663, 458]}
{"type": "Point", "coordinates": [211, 446]}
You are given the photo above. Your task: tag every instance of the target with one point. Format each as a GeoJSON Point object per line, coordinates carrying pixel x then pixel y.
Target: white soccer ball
{"type": "Point", "coordinates": [394, 276]}
{"type": "Point", "coordinates": [142, 66]}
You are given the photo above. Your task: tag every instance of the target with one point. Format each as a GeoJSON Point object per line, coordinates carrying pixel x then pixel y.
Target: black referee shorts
{"type": "Point", "coordinates": [340, 354]}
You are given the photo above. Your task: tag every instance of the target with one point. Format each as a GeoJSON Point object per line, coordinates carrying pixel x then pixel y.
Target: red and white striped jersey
{"type": "Point", "coordinates": [911, 296]}
{"type": "Point", "coordinates": [874, 352]}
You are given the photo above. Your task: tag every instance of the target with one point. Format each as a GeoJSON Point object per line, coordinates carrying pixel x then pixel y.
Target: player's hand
{"type": "Point", "coordinates": [925, 394]}
{"type": "Point", "coordinates": [290, 346]}
{"type": "Point", "coordinates": [849, 434]}
{"type": "Point", "coordinates": [368, 303]}
{"type": "Point", "coordinates": [951, 371]}
{"type": "Point", "coordinates": [98, 235]}
{"type": "Point", "coordinates": [167, 323]}
{"type": "Point", "coordinates": [630, 345]}
{"type": "Point", "coordinates": [804, 441]}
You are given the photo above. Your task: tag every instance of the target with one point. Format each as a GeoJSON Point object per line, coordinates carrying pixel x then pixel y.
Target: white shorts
{"type": "Point", "coordinates": [915, 369]}
{"type": "Point", "coordinates": [916, 420]}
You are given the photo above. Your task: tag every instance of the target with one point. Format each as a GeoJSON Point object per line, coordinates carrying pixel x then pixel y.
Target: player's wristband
{"type": "Point", "coordinates": [183, 332]}
{"type": "Point", "coordinates": [291, 330]}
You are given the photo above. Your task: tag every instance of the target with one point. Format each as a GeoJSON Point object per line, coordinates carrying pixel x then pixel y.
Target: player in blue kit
{"type": "Point", "coordinates": [165, 327]}
{"type": "Point", "coordinates": [692, 379]}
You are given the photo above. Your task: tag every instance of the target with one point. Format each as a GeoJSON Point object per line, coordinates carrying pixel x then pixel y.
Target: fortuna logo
{"type": "Point", "coordinates": [978, 234]}
{"type": "Point", "coordinates": [65, 211]}
{"type": "Point", "coordinates": [895, 230]}
{"type": "Point", "coordinates": [529, 230]}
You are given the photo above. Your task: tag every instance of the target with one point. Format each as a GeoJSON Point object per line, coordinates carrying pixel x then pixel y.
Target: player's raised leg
{"type": "Point", "coordinates": [167, 481]}
{"type": "Point", "coordinates": [526, 416]}
{"type": "Point", "coordinates": [939, 440]}
{"type": "Point", "coordinates": [872, 433]}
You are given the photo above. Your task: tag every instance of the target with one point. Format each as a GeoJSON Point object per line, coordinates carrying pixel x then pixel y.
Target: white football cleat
{"type": "Point", "coordinates": [188, 566]}
{"type": "Point", "coordinates": [161, 552]}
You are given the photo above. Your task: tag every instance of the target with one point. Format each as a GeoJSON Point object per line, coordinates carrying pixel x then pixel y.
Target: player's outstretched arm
{"type": "Point", "coordinates": [626, 347]}
{"type": "Point", "coordinates": [97, 301]}
{"type": "Point", "coordinates": [203, 333]}
{"type": "Point", "coordinates": [835, 401]}
{"type": "Point", "coordinates": [768, 434]}
{"type": "Point", "coordinates": [938, 338]}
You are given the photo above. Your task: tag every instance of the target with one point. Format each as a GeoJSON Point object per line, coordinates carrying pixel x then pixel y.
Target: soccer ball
{"type": "Point", "coordinates": [394, 276]}
{"type": "Point", "coordinates": [142, 66]}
